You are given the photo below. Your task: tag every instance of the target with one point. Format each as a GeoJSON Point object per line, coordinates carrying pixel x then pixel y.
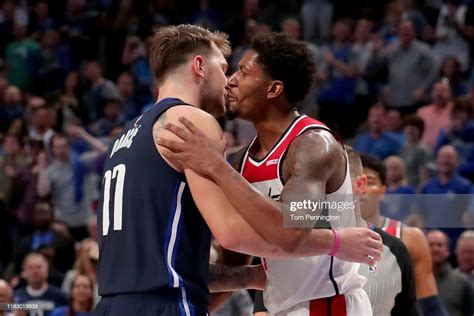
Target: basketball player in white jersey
{"type": "Point", "coordinates": [292, 154]}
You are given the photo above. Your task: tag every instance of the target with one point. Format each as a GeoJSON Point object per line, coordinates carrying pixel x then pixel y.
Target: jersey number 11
{"type": "Point", "coordinates": [119, 173]}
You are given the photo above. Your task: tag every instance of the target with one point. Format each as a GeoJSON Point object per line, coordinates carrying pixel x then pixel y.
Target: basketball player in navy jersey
{"type": "Point", "coordinates": [155, 217]}
{"type": "Point", "coordinates": [293, 155]}
{"type": "Point", "coordinates": [414, 239]}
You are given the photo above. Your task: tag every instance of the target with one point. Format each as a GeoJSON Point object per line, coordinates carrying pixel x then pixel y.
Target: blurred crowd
{"type": "Point", "coordinates": [395, 79]}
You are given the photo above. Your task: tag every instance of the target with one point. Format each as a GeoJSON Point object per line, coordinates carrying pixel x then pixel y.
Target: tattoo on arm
{"type": "Point", "coordinates": [224, 278]}
{"type": "Point", "coordinates": [160, 122]}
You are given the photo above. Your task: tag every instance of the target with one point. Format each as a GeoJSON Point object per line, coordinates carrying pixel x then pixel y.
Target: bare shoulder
{"type": "Point", "coordinates": [415, 240]}
{"type": "Point", "coordinates": [313, 150]}
{"type": "Point", "coordinates": [203, 120]}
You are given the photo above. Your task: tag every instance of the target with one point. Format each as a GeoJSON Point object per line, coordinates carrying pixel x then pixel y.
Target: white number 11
{"type": "Point", "coordinates": [119, 173]}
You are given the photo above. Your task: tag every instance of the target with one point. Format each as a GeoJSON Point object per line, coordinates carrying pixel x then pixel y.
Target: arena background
{"type": "Point", "coordinates": [79, 68]}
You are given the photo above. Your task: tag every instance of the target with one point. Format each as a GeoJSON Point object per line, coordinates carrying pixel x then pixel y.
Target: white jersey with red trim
{"type": "Point", "coordinates": [295, 280]}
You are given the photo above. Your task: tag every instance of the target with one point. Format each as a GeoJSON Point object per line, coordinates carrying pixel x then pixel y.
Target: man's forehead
{"type": "Point", "coordinates": [249, 59]}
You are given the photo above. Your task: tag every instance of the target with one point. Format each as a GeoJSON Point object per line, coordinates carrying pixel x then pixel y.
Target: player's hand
{"type": "Point", "coordinates": [198, 152]}
{"type": "Point", "coordinates": [360, 245]}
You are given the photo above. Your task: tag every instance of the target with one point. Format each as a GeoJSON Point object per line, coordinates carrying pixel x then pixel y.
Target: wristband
{"type": "Point", "coordinates": [337, 243]}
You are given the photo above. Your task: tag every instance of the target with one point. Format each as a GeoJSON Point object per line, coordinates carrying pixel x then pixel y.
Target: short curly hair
{"type": "Point", "coordinates": [288, 60]}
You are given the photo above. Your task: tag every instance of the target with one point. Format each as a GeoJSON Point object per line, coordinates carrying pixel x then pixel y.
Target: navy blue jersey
{"type": "Point", "coordinates": [152, 237]}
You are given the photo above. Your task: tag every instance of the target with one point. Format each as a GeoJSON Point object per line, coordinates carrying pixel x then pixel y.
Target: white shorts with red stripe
{"type": "Point", "coordinates": [355, 303]}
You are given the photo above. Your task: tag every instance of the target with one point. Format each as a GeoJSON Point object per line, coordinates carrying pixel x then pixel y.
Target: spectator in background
{"type": "Point", "coordinates": [412, 13]}
{"type": "Point", "coordinates": [69, 108]}
{"type": "Point", "coordinates": [446, 200]}
{"type": "Point", "coordinates": [450, 40]}
{"type": "Point", "coordinates": [454, 289]}
{"type": "Point", "coordinates": [11, 107]}
{"type": "Point", "coordinates": [395, 124]}
{"type": "Point", "coordinates": [44, 235]}
{"type": "Point", "coordinates": [393, 16]}
{"type": "Point", "coordinates": [397, 203]}
{"type": "Point", "coordinates": [112, 117]}
{"type": "Point", "coordinates": [81, 301]}
{"type": "Point", "coordinates": [437, 114]}
{"type": "Point", "coordinates": [238, 52]}
{"type": "Point", "coordinates": [377, 141]}
{"type": "Point", "coordinates": [41, 127]}
{"type": "Point", "coordinates": [451, 70]}
{"type": "Point", "coordinates": [317, 17]}
{"type": "Point", "coordinates": [18, 57]}
{"type": "Point", "coordinates": [11, 164]}
{"type": "Point", "coordinates": [86, 264]}
{"type": "Point", "coordinates": [27, 180]}
{"type": "Point", "coordinates": [337, 95]}
{"type": "Point", "coordinates": [465, 255]}
{"type": "Point", "coordinates": [364, 49]}
{"type": "Point", "coordinates": [411, 69]}
{"type": "Point", "coordinates": [6, 294]}
{"type": "Point", "coordinates": [49, 65]}
{"type": "Point", "coordinates": [135, 57]}
{"type": "Point", "coordinates": [40, 19]}
{"type": "Point", "coordinates": [70, 181]}
{"type": "Point", "coordinates": [37, 290]}
{"type": "Point", "coordinates": [101, 90]}
{"type": "Point", "coordinates": [461, 131]}
{"type": "Point", "coordinates": [415, 154]}
{"type": "Point", "coordinates": [131, 108]}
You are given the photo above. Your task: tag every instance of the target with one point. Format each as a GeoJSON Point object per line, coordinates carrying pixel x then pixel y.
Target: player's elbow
{"type": "Point", "coordinates": [293, 239]}
{"type": "Point", "coordinates": [229, 241]}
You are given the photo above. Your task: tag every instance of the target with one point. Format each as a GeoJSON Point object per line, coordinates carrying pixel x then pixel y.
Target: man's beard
{"type": "Point", "coordinates": [231, 113]}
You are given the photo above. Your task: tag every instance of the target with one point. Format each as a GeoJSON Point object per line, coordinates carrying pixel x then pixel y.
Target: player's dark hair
{"type": "Point", "coordinates": [288, 60]}
{"type": "Point", "coordinates": [375, 164]}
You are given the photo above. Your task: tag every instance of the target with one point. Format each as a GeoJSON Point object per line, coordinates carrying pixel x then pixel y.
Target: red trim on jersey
{"type": "Point", "coordinates": [339, 307]}
{"type": "Point", "coordinates": [319, 307]}
{"type": "Point", "coordinates": [393, 227]}
{"type": "Point", "coordinates": [254, 170]}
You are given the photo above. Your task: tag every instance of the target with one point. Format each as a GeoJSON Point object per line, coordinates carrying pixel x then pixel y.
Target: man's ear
{"type": "Point", "coordinates": [197, 66]}
{"type": "Point", "coordinates": [275, 89]}
{"type": "Point", "coordinates": [361, 183]}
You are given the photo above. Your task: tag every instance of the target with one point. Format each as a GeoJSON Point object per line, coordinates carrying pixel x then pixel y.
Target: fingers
{"type": "Point", "coordinates": [178, 131]}
{"type": "Point", "coordinates": [375, 235]}
{"type": "Point", "coordinates": [374, 254]}
{"type": "Point", "coordinates": [375, 245]}
{"type": "Point", "coordinates": [171, 145]}
{"type": "Point", "coordinates": [190, 126]}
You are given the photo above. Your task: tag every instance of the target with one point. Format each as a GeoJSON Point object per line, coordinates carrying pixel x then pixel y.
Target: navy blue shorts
{"type": "Point", "coordinates": [146, 304]}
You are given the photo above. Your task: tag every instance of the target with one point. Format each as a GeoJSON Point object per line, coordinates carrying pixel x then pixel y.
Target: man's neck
{"type": "Point", "coordinates": [80, 307]}
{"type": "Point", "coordinates": [375, 133]}
{"type": "Point", "coordinates": [174, 89]}
{"type": "Point", "coordinates": [37, 289]}
{"type": "Point", "coordinates": [376, 218]}
{"type": "Point", "coordinates": [270, 129]}
{"type": "Point", "coordinates": [445, 178]}
{"type": "Point", "coordinates": [441, 105]}
{"type": "Point", "coordinates": [438, 268]}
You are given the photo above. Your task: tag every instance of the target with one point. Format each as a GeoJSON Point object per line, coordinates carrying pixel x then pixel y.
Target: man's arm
{"type": "Point", "coordinates": [196, 150]}
{"type": "Point", "coordinates": [417, 245]}
{"type": "Point", "coordinates": [227, 226]}
{"type": "Point", "coordinates": [223, 278]}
